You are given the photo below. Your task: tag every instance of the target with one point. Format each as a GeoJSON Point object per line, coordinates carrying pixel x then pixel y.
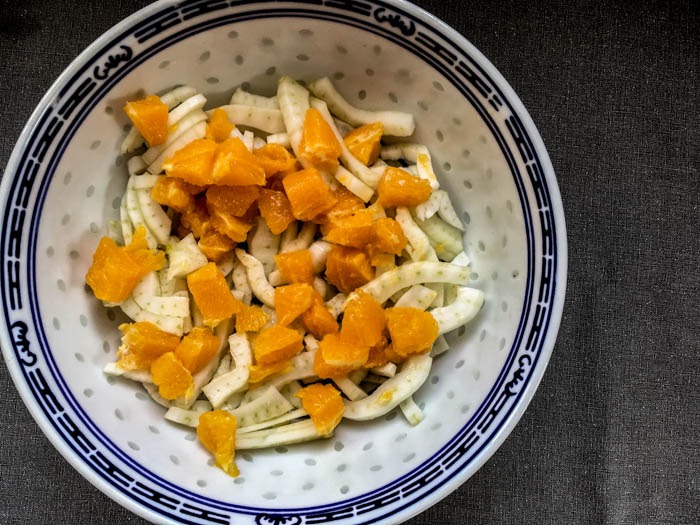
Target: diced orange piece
{"type": "Point", "coordinates": [193, 162]}
{"type": "Point", "coordinates": [234, 228]}
{"type": "Point", "coordinates": [347, 203]}
{"type": "Point", "coordinates": [308, 194]}
{"type": "Point", "coordinates": [142, 342]}
{"type": "Point", "coordinates": [364, 142]}
{"type": "Point", "coordinates": [275, 159]}
{"type": "Point", "coordinates": [412, 331]}
{"type": "Point", "coordinates": [378, 258]}
{"type": "Point", "coordinates": [348, 268]}
{"type": "Point", "coordinates": [250, 318]}
{"type": "Point", "coordinates": [335, 357]}
{"type": "Point", "coordinates": [296, 266]}
{"type": "Point", "coordinates": [276, 209]}
{"type": "Point", "coordinates": [363, 320]}
{"type": "Point", "coordinates": [398, 187]}
{"type": "Point", "coordinates": [355, 230]}
{"type": "Point", "coordinates": [388, 236]}
{"type": "Point", "coordinates": [291, 301]}
{"type": "Point", "coordinates": [260, 372]}
{"type": "Point", "coordinates": [318, 146]}
{"type": "Point", "coordinates": [318, 319]}
{"type": "Point", "coordinates": [150, 117]}
{"type": "Point", "coordinates": [171, 192]}
{"type": "Point", "coordinates": [195, 218]}
{"type": "Point", "coordinates": [219, 127]}
{"type": "Point", "coordinates": [215, 245]}
{"type": "Point", "coordinates": [171, 377]}
{"type": "Point", "coordinates": [116, 270]}
{"type": "Point", "coordinates": [325, 406]}
{"type": "Point", "coordinates": [211, 294]}
{"type": "Point", "coordinates": [276, 343]}
{"type": "Point", "coordinates": [377, 354]}
{"type": "Point", "coordinates": [392, 356]}
{"type": "Point", "coordinates": [197, 348]}
{"type": "Point", "coordinates": [234, 200]}
{"type": "Point", "coordinates": [234, 165]}
{"type": "Point", "coordinates": [217, 432]}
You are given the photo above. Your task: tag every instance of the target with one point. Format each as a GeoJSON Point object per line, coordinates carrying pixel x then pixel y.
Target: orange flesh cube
{"type": "Point", "coordinates": [219, 127]}
{"type": "Point", "coordinates": [276, 343]}
{"type": "Point", "coordinates": [197, 348]}
{"type": "Point", "coordinates": [233, 227]}
{"type": "Point", "coordinates": [275, 159]}
{"type": "Point", "coordinates": [377, 354]}
{"type": "Point", "coordinates": [211, 294]}
{"type": "Point", "coordinates": [276, 209]}
{"type": "Point", "coordinates": [215, 245]}
{"type": "Point", "coordinates": [348, 268]}
{"type": "Point", "coordinates": [234, 200]}
{"type": "Point", "coordinates": [116, 270]}
{"type": "Point", "coordinates": [318, 319]}
{"type": "Point", "coordinates": [318, 146]}
{"type": "Point", "coordinates": [364, 142]}
{"type": "Point", "coordinates": [150, 118]}
{"type": "Point", "coordinates": [412, 331]}
{"type": "Point", "coordinates": [171, 192]}
{"type": "Point", "coordinates": [291, 301]}
{"type": "Point", "coordinates": [324, 405]}
{"type": "Point", "coordinates": [171, 377]}
{"type": "Point", "coordinates": [193, 163]}
{"type": "Point", "coordinates": [308, 194]}
{"type": "Point", "coordinates": [217, 432]}
{"type": "Point", "coordinates": [363, 320]}
{"type": "Point", "coordinates": [347, 203]}
{"type": "Point", "coordinates": [355, 230]}
{"type": "Point", "coordinates": [250, 318]}
{"type": "Point", "coordinates": [142, 343]}
{"type": "Point", "coordinates": [397, 187]}
{"type": "Point", "coordinates": [388, 236]}
{"type": "Point", "coordinates": [195, 218]}
{"type": "Point", "coordinates": [260, 372]}
{"type": "Point", "coordinates": [296, 266]}
{"type": "Point", "coordinates": [336, 358]}
{"type": "Point", "coordinates": [234, 165]}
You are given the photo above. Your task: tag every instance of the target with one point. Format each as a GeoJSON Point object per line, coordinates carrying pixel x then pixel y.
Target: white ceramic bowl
{"type": "Point", "coordinates": [62, 186]}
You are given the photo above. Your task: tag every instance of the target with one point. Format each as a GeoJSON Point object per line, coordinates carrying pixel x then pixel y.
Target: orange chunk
{"type": "Point", "coordinates": [219, 127]}
{"type": "Point", "coordinates": [195, 218]}
{"type": "Point", "coordinates": [234, 165]}
{"type": "Point", "coordinates": [193, 163]}
{"type": "Point", "coordinates": [296, 266]}
{"type": "Point", "coordinates": [398, 187]}
{"type": "Point", "coordinates": [142, 343]}
{"type": "Point", "coordinates": [275, 159]}
{"type": "Point", "coordinates": [172, 192]}
{"type": "Point", "coordinates": [215, 245]}
{"type": "Point", "coordinates": [116, 270]}
{"type": "Point", "coordinates": [318, 146]}
{"type": "Point", "coordinates": [276, 343]}
{"type": "Point", "coordinates": [392, 356]}
{"type": "Point", "coordinates": [363, 320]}
{"type": "Point", "coordinates": [364, 142]}
{"type": "Point", "coordinates": [260, 372]}
{"type": "Point", "coordinates": [388, 236]}
{"type": "Point", "coordinates": [197, 348]}
{"type": "Point", "coordinates": [348, 268]}
{"type": "Point", "coordinates": [250, 318]}
{"type": "Point", "coordinates": [211, 294]}
{"type": "Point", "coordinates": [150, 117]}
{"type": "Point", "coordinates": [318, 319]}
{"type": "Point", "coordinates": [234, 228]}
{"type": "Point", "coordinates": [276, 209]}
{"type": "Point", "coordinates": [325, 406]}
{"type": "Point", "coordinates": [355, 230]}
{"type": "Point", "coordinates": [217, 432]}
{"type": "Point", "coordinates": [291, 301]}
{"type": "Point", "coordinates": [377, 354]}
{"type": "Point", "coordinates": [308, 194]}
{"type": "Point", "coordinates": [171, 377]}
{"type": "Point", "coordinates": [412, 331]}
{"type": "Point", "coordinates": [234, 200]}
{"type": "Point", "coordinates": [335, 357]}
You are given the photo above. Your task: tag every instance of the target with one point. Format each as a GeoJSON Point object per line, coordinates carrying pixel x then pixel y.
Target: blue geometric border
{"type": "Point", "coordinates": [383, 19]}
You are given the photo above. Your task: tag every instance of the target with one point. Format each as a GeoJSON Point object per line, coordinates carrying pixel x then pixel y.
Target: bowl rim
{"type": "Point", "coordinates": [489, 448]}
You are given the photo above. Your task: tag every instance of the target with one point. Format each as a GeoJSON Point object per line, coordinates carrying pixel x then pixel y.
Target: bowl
{"type": "Point", "coordinates": [62, 188]}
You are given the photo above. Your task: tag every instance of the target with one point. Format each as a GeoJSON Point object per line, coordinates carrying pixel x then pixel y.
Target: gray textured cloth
{"type": "Point", "coordinates": [612, 434]}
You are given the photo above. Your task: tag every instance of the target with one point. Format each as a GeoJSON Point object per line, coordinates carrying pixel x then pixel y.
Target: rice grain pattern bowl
{"type": "Point", "coordinates": [63, 186]}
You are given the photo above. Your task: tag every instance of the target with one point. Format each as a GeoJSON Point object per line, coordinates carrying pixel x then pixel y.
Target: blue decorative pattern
{"type": "Point", "coordinates": [55, 128]}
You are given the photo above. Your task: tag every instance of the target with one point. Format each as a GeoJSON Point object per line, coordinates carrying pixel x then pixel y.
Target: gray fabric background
{"type": "Point", "coordinates": [612, 433]}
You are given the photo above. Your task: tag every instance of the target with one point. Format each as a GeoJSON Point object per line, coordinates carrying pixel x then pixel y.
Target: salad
{"type": "Point", "coordinates": [286, 262]}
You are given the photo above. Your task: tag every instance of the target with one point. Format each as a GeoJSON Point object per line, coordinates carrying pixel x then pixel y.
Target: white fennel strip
{"type": "Point", "coordinates": [219, 389]}
{"type": "Point", "coordinates": [178, 129]}
{"type": "Point", "coordinates": [462, 310]}
{"type": "Point", "coordinates": [427, 209]}
{"type": "Point", "coordinates": [279, 436]}
{"type": "Point", "coordinates": [416, 153]}
{"type": "Point", "coordinates": [189, 418]}
{"type": "Point", "coordinates": [245, 98]}
{"type": "Point", "coordinates": [125, 221]}
{"type": "Point", "coordinates": [461, 259]}
{"type": "Point", "coordinates": [171, 324]}
{"type": "Point", "coordinates": [263, 244]}
{"type": "Point", "coordinates": [240, 282]}
{"type": "Point", "coordinates": [411, 411]}
{"type": "Point", "coordinates": [197, 131]}
{"type": "Point", "coordinates": [336, 304]}
{"type": "Point", "coordinates": [193, 103]}
{"type": "Point", "coordinates": [279, 138]}
{"type": "Point", "coordinates": [259, 284]}
{"type": "Point", "coordinates": [264, 119]}
{"type": "Point", "coordinates": [440, 346]}
{"type": "Point", "coordinates": [274, 422]}
{"type": "Point", "coordinates": [387, 370]}
{"type": "Point", "coordinates": [445, 239]}
{"type": "Point", "coordinates": [135, 215]}
{"type": "Point", "coordinates": [269, 405]}
{"type": "Point", "coordinates": [293, 99]}
{"type": "Point", "coordinates": [153, 214]}
{"type": "Point", "coordinates": [140, 376]}
{"type": "Point", "coordinates": [152, 391]}
{"type": "Point", "coordinates": [447, 212]}
{"type": "Point", "coordinates": [354, 184]}
{"type": "Point", "coordinates": [417, 296]}
{"type": "Point", "coordinates": [350, 389]}
{"type": "Point", "coordinates": [419, 247]}
{"type": "Point", "coordinates": [302, 240]}
{"type": "Point", "coordinates": [395, 123]}
{"type": "Point", "coordinates": [185, 257]}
